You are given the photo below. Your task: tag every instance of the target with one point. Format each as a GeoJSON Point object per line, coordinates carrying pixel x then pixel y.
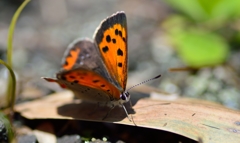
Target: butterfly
{"type": "Point", "coordinates": [96, 71]}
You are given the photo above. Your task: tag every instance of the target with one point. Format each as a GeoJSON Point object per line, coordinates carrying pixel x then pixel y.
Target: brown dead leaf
{"type": "Point", "coordinates": [184, 117]}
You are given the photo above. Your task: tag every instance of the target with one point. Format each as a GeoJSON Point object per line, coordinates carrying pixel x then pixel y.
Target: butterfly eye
{"type": "Point", "coordinates": [125, 96]}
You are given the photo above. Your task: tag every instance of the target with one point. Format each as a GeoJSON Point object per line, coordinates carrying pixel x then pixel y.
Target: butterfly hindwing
{"type": "Point", "coordinates": [82, 53]}
{"type": "Point", "coordinates": [87, 84]}
{"type": "Point", "coordinates": [111, 40]}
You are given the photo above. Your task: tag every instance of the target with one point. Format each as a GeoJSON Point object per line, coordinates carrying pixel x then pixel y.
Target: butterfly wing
{"type": "Point", "coordinates": [84, 73]}
{"type": "Point", "coordinates": [111, 40]}
{"type": "Point", "coordinates": [82, 53]}
{"type": "Point", "coordinates": [88, 84]}
{"type": "Point", "coordinates": [94, 77]}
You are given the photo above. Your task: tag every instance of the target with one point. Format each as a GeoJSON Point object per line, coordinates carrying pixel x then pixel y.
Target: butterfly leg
{"type": "Point", "coordinates": [126, 112]}
{"type": "Point", "coordinates": [131, 120]}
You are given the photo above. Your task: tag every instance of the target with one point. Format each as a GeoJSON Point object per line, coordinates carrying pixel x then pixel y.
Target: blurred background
{"type": "Point", "coordinates": [202, 37]}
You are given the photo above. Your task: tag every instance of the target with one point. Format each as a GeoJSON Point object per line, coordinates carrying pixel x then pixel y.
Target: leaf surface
{"type": "Point", "coordinates": [187, 117]}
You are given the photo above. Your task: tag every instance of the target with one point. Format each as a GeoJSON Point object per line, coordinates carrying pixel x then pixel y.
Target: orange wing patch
{"type": "Point", "coordinates": [71, 58]}
{"type": "Point", "coordinates": [113, 48]}
{"type": "Point", "coordinates": [91, 79]}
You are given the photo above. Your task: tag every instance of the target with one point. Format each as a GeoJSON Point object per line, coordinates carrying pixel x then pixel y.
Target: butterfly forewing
{"type": "Point", "coordinates": [111, 40]}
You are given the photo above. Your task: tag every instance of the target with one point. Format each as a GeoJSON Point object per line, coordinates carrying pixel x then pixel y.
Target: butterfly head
{"type": "Point", "coordinates": [125, 97]}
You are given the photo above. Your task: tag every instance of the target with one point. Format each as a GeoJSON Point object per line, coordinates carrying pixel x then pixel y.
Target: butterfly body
{"type": "Point", "coordinates": [96, 71]}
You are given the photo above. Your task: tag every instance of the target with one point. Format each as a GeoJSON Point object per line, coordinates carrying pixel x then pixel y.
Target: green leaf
{"type": "Point", "coordinates": [208, 5]}
{"type": "Point", "coordinates": [11, 31]}
{"type": "Point", "coordinates": [11, 96]}
{"type": "Point", "coordinates": [226, 10]}
{"type": "Point", "coordinates": [191, 8]}
{"type": "Point", "coordinates": [198, 48]}
{"type": "Point", "coordinates": [220, 11]}
{"type": "Point", "coordinates": [215, 12]}
{"type": "Point", "coordinates": [12, 82]}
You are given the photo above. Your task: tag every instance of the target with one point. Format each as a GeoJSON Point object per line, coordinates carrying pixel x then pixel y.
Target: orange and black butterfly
{"type": "Point", "coordinates": [96, 71]}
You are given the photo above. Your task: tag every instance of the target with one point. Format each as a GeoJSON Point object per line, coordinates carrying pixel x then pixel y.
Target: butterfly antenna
{"type": "Point", "coordinates": [144, 82]}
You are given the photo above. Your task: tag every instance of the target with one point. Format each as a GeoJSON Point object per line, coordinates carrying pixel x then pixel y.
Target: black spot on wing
{"type": "Point", "coordinates": [114, 41]}
{"type": "Point", "coordinates": [71, 76]}
{"type": "Point", "coordinates": [119, 64]}
{"type": "Point", "coordinates": [124, 39]}
{"type": "Point", "coordinates": [119, 52]}
{"type": "Point", "coordinates": [108, 38]}
{"type": "Point", "coordinates": [75, 81]}
{"type": "Point", "coordinates": [120, 33]}
{"type": "Point", "coordinates": [105, 49]}
{"type": "Point", "coordinates": [116, 31]}
{"type": "Point", "coordinates": [95, 81]}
